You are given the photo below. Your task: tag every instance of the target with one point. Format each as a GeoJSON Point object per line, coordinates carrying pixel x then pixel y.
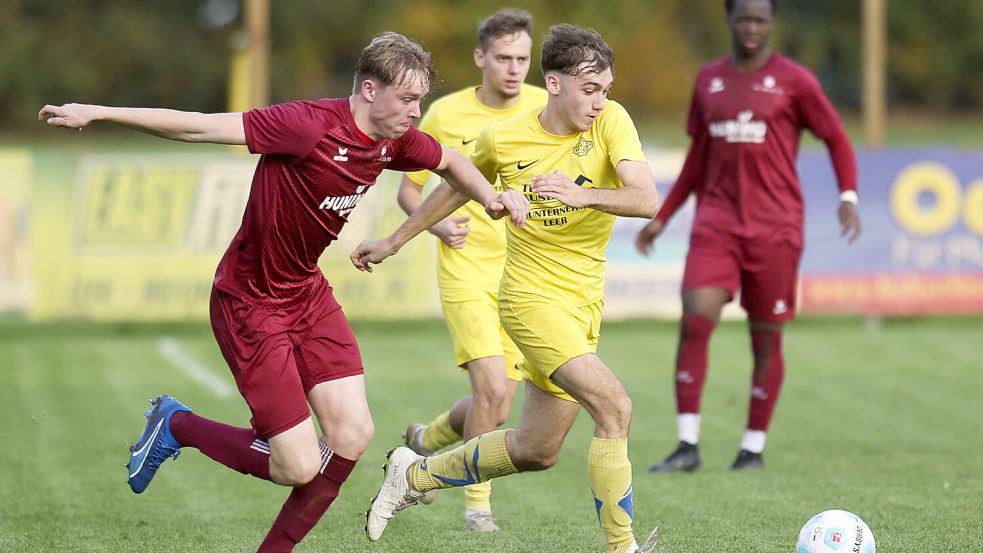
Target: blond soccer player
{"type": "Point", "coordinates": [471, 250]}
{"type": "Point", "coordinates": [580, 163]}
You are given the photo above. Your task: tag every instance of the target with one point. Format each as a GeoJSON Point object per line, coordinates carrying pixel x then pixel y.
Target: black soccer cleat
{"type": "Point", "coordinates": [747, 460]}
{"type": "Point", "coordinates": [686, 458]}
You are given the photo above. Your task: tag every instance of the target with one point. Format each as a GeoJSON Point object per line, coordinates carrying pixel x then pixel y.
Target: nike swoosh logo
{"type": "Point", "coordinates": [521, 166]}
{"type": "Point", "coordinates": [466, 142]}
{"type": "Point", "coordinates": [145, 444]}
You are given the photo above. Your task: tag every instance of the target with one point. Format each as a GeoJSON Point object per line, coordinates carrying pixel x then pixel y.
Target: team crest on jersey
{"type": "Point", "coordinates": [744, 129]}
{"type": "Point", "coordinates": [343, 205]}
{"type": "Point", "coordinates": [583, 147]}
{"type": "Point", "coordinates": [769, 85]}
{"type": "Point", "coordinates": [716, 85]}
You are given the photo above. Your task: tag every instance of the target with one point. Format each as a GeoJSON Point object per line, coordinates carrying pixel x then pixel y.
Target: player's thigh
{"type": "Point", "coordinates": [261, 357]}
{"type": "Point", "coordinates": [546, 420]}
{"type": "Point", "coordinates": [589, 380]}
{"type": "Point", "coordinates": [548, 335]}
{"type": "Point", "coordinates": [473, 323]}
{"type": "Point", "coordinates": [342, 411]}
{"type": "Point", "coordinates": [769, 281]}
{"type": "Point", "coordinates": [712, 272]}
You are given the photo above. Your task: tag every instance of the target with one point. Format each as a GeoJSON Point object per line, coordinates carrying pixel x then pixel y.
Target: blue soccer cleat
{"type": "Point", "coordinates": [155, 444]}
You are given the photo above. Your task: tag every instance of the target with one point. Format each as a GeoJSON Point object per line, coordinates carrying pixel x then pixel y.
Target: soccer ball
{"type": "Point", "coordinates": [835, 531]}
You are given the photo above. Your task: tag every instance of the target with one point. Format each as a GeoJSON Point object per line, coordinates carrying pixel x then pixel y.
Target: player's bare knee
{"type": "Point", "coordinates": [490, 397]}
{"type": "Point", "coordinates": [302, 470]}
{"type": "Point", "coordinates": [533, 456]}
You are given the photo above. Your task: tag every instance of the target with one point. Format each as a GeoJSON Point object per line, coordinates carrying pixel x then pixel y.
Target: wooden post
{"type": "Point", "coordinates": [874, 71]}
{"type": "Point", "coordinates": [258, 29]}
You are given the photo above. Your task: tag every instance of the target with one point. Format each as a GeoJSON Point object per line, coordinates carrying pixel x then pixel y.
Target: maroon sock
{"type": "Point", "coordinates": [766, 382]}
{"type": "Point", "coordinates": [307, 504]}
{"type": "Point", "coordinates": [237, 448]}
{"type": "Point", "coordinates": [691, 361]}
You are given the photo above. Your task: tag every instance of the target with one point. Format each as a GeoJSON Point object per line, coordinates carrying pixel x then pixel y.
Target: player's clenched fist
{"type": "Point", "coordinates": [372, 251]}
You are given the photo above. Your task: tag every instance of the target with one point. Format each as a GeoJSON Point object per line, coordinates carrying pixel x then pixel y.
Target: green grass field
{"type": "Point", "coordinates": [882, 420]}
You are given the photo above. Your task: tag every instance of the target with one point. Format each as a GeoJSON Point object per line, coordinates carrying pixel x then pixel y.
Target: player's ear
{"type": "Point", "coordinates": [479, 58]}
{"type": "Point", "coordinates": [553, 83]}
{"type": "Point", "coordinates": [369, 89]}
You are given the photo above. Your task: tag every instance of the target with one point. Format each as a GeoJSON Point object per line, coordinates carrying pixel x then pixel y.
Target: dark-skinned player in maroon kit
{"type": "Point", "coordinates": [747, 114]}
{"type": "Point", "coordinates": [277, 323]}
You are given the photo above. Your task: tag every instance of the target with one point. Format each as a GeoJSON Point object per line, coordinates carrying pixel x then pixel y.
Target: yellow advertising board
{"type": "Point", "coordinates": [138, 237]}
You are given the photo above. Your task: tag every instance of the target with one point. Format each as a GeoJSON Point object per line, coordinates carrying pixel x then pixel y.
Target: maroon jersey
{"type": "Point", "coordinates": [746, 129]}
{"type": "Point", "coordinates": [315, 167]}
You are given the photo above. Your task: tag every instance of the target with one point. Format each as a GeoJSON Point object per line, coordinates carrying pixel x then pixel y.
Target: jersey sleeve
{"type": "Point", "coordinates": [484, 156]}
{"type": "Point", "coordinates": [815, 110]}
{"type": "Point", "coordinates": [417, 150]}
{"type": "Point", "coordinates": [290, 129]}
{"type": "Point", "coordinates": [694, 121]}
{"type": "Point", "coordinates": [620, 136]}
{"type": "Point", "coordinates": [429, 124]}
{"type": "Point", "coordinates": [687, 182]}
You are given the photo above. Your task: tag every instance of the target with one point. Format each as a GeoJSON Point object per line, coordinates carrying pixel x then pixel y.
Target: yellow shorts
{"type": "Point", "coordinates": [548, 335]}
{"type": "Point", "coordinates": [472, 318]}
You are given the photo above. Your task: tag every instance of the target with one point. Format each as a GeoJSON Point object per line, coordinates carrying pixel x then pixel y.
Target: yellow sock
{"type": "Point", "coordinates": [609, 472]}
{"type": "Point", "coordinates": [439, 434]}
{"type": "Point", "coordinates": [477, 497]}
{"type": "Point", "coordinates": [479, 460]}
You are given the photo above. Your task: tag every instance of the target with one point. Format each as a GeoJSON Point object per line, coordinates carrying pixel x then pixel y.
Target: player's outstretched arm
{"type": "Point", "coordinates": [452, 231]}
{"type": "Point", "coordinates": [438, 205]}
{"type": "Point", "coordinates": [184, 126]}
{"type": "Point", "coordinates": [467, 179]}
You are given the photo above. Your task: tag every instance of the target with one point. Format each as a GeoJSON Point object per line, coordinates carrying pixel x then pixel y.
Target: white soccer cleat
{"type": "Point", "coordinates": [648, 546]}
{"type": "Point", "coordinates": [481, 522]}
{"type": "Point", "coordinates": [395, 494]}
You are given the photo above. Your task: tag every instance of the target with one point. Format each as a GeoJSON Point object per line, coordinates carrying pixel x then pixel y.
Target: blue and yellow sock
{"type": "Point", "coordinates": [439, 434]}
{"type": "Point", "coordinates": [609, 472]}
{"type": "Point", "coordinates": [479, 460]}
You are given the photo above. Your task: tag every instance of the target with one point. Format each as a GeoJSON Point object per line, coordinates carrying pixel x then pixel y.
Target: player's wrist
{"type": "Point", "coordinates": [849, 196]}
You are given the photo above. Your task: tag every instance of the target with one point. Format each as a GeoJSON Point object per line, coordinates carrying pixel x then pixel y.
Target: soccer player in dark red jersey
{"type": "Point", "coordinates": [748, 111]}
{"type": "Point", "coordinates": [284, 336]}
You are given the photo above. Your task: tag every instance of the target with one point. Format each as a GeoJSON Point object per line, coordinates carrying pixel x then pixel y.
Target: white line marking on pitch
{"type": "Point", "coordinates": [170, 350]}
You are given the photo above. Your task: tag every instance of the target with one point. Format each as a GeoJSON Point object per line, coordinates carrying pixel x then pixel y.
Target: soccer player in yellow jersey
{"type": "Point", "coordinates": [471, 250]}
{"type": "Point", "coordinates": [580, 163]}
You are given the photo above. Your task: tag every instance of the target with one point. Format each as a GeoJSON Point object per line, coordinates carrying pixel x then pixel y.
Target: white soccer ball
{"type": "Point", "coordinates": [835, 531]}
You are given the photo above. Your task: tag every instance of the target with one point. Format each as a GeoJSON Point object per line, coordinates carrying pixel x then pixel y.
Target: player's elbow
{"type": "Point", "coordinates": [650, 204]}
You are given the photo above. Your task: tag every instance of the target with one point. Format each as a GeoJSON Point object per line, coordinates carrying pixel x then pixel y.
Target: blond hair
{"type": "Point", "coordinates": [390, 58]}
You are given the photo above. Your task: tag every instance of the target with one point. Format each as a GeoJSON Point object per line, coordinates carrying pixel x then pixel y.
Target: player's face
{"type": "Point", "coordinates": [394, 107]}
{"type": "Point", "coordinates": [750, 25]}
{"type": "Point", "coordinates": [582, 98]}
{"type": "Point", "coordinates": [505, 64]}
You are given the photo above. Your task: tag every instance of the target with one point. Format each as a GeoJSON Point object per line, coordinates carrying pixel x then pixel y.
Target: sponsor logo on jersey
{"type": "Point", "coordinates": [716, 85]}
{"type": "Point", "coordinates": [343, 205]}
{"type": "Point", "coordinates": [744, 129]}
{"type": "Point", "coordinates": [465, 141]}
{"type": "Point", "coordinates": [521, 166]}
{"type": "Point", "coordinates": [583, 147]}
{"type": "Point", "coordinates": [342, 155]}
{"type": "Point", "coordinates": [383, 157]}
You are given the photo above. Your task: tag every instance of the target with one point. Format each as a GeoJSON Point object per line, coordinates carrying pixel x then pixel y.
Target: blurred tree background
{"type": "Point", "coordinates": [176, 53]}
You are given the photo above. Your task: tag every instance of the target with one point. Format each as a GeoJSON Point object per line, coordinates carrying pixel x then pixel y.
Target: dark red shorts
{"type": "Point", "coordinates": [278, 355]}
{"type": "Point", "coordinates": [766, 273]}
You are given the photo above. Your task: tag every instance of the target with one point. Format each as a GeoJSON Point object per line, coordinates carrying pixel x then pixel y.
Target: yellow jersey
{"type": "Point", "coordinates": [456, 120]}
{"type": "Point", "coordinates": [559, 255]}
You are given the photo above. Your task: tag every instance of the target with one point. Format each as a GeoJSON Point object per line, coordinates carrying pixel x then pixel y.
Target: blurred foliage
{"type": "Point", "coordinates": [120, 52]}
